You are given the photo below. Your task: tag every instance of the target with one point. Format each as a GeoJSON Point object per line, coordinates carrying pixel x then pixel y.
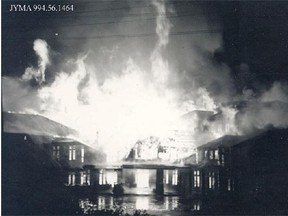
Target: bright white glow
{"type": "Point", "coordinates": [196, 178]}
{"type": "Point", "coordinates": [211, 180]}
{"type": "Point", "coordinates": [102, 177]}
{"type": "Point", "coordinates": [41, 49]}
{"type": "Point", "coordinates": [71, 179]}
{"type": "Point", "coordinates": [166, 176]}
{"type": "Point", "coordinates": [82, 155]}
{"type": "Point", "coordinates": [175, 177]}
{"type": "Point", "coordinates": [131, 103]}
{"type": "Point", "coordinates": [111, 177]}
{"type": "Point", "coordinates": [142, 178]}
{"type": "Point", "coordinates": [142, 202]}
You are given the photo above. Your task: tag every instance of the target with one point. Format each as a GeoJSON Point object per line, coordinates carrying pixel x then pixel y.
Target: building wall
{"type": "Point", "coordinates": [71, 154]}
{"type": "Point", "coordinates": [260, 169]}
{"type": "Point", "coordinates": [31, 181]}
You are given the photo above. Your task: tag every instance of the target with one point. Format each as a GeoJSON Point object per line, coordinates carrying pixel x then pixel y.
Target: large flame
{"type": "Point", "coordinates": [135, 102]}
{"type": "Point", "coordinates": [129, 105]}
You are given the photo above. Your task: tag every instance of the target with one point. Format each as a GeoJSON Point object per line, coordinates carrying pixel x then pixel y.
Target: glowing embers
{"type": "Point", "coordinates": [142, 178]}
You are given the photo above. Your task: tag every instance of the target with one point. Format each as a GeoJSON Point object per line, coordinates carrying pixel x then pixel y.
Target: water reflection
{"type": "Point", "coordinates": [142, 203]}
{"type": "Point", "coordinates": [131, 203]}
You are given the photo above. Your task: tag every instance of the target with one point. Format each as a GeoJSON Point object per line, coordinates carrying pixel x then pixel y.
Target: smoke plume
{"type": "Point", "coordinates": [38, 73]}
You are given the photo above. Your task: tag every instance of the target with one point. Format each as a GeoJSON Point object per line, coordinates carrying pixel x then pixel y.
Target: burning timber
{"type": "Point", "coordinates": [40, 156]}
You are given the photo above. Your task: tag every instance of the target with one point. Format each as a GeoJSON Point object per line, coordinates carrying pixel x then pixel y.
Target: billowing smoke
{"type": "Point", "coordinates": [121, 91]}
{"type": "Point", "coordinates": [38, 73]}
{"type": "Point", "coordinates": [160, 67]}
{"type": "Point", "coordinates": [269, 109]}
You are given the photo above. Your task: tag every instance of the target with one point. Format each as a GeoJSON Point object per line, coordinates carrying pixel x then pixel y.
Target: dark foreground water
{"type": "Point", "coordinates": [157, 205]}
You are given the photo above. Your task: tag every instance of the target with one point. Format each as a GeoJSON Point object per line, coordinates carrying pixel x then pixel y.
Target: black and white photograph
{"type": "Point", "coordinates": [144, 107]}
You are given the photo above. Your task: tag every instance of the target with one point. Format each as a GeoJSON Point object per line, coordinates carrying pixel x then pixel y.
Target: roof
{"type": "Point", "coordinates": [269, 134]}
{"type": "Point", "coordinates": [225, 141]}
{"type": "Point", "coordinates": [152, 166]}
{"type": "Point", "coordinates": [34, 125]}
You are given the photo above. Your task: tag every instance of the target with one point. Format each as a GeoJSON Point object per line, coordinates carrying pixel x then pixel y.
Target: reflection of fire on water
{"type": "Point", "coordinates": [142, 203]}
{"type": "Point", "coordinates": [131, 203]}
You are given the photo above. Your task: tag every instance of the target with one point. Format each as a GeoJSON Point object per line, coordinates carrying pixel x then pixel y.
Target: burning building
{"type": "Point", "coordinates": [164, 111]}
{"type": "Point", "coordinates": [229, 172]}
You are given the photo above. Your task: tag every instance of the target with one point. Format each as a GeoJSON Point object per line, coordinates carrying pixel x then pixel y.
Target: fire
{"type": "Point", "coordinates": [124, 109]}
{"type": "Point", "coordinates": [130, 104]}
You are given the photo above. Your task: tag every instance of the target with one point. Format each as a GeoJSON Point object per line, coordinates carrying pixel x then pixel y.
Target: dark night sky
{"type": "Point", "coordinates": [255, 42]}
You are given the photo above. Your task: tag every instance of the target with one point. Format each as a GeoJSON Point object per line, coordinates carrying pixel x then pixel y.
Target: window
{"type": "Point", "coordinates": [71, 179]}
{"type": "Point", "coordinates": [222, 159]}
{"type": "Point", "coordinates": [197, 205]}
{"type": "Point", "coordinates": [205, 154]}
{"type": "Point", "coordinates": [211, 180]}
{"type": "Point", "coordinates": [72, 152]}
{"type": "Point", "coordinates": [230, 184]}
{"type": "Point", "coordinates": [166, 177]}
{"type": "Point", "coordinates": [87, 177]}
{"type": "Point", "coordinates": [56, 153]}
{"type": "Point", "coordinates": [102, 177]}
{"type": "Point", "coordinates": [216, 154]}
{"type": "Point", "coordinates": [175, 177]}
{"type": "Point", "coordinates": [83, 177]}
{"type": "Point", "coordinates": [196, 178]}
{"type": "Point", "coordinates": [211, 154]}
{"type": "Point", "coordinates": [82, 154]}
